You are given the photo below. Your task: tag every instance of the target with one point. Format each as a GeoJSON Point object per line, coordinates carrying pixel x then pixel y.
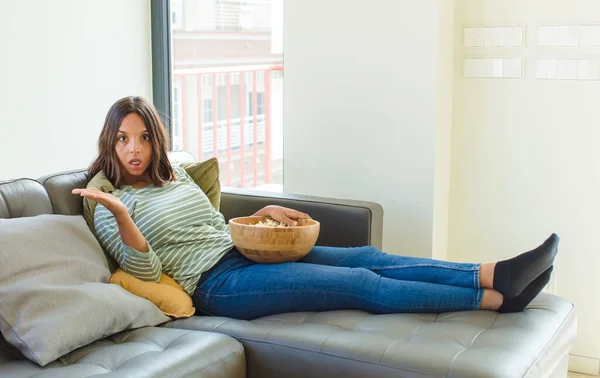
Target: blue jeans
{"type": "Point", "coordinates": [332, 278]}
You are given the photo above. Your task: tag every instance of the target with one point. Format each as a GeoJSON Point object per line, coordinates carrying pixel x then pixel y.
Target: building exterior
{"type": "Point", "coordinates": [228, 87]}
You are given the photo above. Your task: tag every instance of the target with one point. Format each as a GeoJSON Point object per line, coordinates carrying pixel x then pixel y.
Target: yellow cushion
{"type": "Point", "coordinates": [166, 294]}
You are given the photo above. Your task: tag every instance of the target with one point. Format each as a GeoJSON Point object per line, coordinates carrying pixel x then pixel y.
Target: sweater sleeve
{"type": "Point", "coordinates": [218, 221]}
{"type": "Point", "coordinates": [144, 265]}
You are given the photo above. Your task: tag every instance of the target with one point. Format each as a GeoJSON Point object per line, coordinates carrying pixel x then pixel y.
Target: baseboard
{"type": "Point", "coordinates": [585, 365]}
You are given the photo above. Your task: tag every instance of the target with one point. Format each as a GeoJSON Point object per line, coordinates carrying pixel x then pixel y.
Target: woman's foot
{"type": "Point", "coordinates": [512, 276]}
{"type": "Point", "coordinates": [521, 301]}
{"type": "Point", "coordinates": [491, 300]}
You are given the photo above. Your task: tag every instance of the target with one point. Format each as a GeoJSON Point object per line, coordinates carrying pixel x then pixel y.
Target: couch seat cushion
{"type": "Point", "coordinates": [359, 344]}
{"type": "Point", "coordinates": [144, 352]}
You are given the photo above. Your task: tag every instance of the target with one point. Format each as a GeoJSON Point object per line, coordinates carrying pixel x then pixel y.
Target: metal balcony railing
{"type": "Point", "coordinates": [240, 135]}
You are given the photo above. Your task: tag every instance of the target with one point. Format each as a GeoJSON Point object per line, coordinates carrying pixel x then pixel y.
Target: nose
{"type": "Point", "coordinates": [134, 147]}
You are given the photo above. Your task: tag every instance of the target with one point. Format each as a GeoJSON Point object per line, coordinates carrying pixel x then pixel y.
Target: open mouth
{"type": "Point", "coordinates": [135, 162]}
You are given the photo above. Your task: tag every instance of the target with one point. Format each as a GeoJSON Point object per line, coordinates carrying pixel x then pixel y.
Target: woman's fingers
{"type": "Point", "coordinates": [288, 221]}
{"type": "Point", "coordinates": [94, 194]}
{"type": "Point", "coordinates": [112, 203]}
{"type": "Point", "coordinates": [304, 215]}
{"type": "Point", "coordinates": [281, 216]}
{"type": "Point", "coordinates": [86, 190]}
{"type": "Point", "coordinates": [297, 215]}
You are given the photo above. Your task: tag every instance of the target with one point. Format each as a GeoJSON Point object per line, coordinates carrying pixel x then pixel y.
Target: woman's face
{"type": "Point", "coordinates": [134, 149]}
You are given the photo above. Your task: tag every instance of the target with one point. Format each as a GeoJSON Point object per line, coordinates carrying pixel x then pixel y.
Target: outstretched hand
{"type": "Point", "coordinates": [282, 214]}
{"type": "Point", "coordinates": [112, 203]}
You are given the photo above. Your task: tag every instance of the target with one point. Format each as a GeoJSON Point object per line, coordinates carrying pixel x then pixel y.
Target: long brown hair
{"type": "Point", "coordinates": [159, 170]}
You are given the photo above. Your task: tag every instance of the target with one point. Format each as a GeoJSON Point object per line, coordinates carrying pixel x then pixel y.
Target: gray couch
{"type": "Point", "coordinates": [354, 344]}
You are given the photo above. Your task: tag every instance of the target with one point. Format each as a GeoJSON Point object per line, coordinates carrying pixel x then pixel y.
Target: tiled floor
{"type": "Point", "coordinates": [577, 375]}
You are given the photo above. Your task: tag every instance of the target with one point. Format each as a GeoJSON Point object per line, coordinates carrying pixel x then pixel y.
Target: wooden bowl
{"type": "Point", "coordinates": [272, 245]}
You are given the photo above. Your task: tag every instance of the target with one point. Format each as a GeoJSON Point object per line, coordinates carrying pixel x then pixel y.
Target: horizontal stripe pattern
{"type": "Point", "coordinates": [186, 235]}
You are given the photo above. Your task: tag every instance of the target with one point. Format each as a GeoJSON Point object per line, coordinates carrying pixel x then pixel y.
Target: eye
{"type": "Point", "coordinates": [146, 137]}
{"type": "Point", "coordinates": [122, 138]}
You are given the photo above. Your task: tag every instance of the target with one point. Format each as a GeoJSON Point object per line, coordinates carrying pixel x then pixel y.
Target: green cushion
{"type": "Point", "coordinates": [206, 175]}
{"type": "Point", "coordinates": [89, 206]}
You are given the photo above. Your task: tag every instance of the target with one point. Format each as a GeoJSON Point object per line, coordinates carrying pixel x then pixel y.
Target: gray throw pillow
{"type": "Point", "coordinates": [54, 290]}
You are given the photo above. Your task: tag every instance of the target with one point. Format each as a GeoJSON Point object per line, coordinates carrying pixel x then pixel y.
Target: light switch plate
{"type": "Point", "coordinates": [567, 69]}
{"type": "Point", "coordinates": [512, 68]}
{"type": "Point", "coordinates": [589, 69]}
{"type": "Point", "coordinates": [493, 68]}
{"type": "Point", "coordinates": [589, 35]}
{"type": "Point", "coordinates": [517, 36]}
{"type": "Point", "coordinates": [512, 36]}
{"type": "Point", "coordinates": [474, 37]}
{"type": "Point", "coordinates": [493, 37]}
{"type": "Point", "coordinates": [548, 35]}
{"type": "Point", "coordinates": [497, 67]}
{"type": "Point", "coordinates": [568, 36]}
{"type": "Point", "coordinates": [559, 35]}
{"type": "Point", "coordinates": [546, 69]}
{"type": "Point", "coordinates": [479, 68]}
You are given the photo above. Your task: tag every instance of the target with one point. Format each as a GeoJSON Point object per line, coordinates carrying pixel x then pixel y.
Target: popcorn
{"type": "Point", "coordinates": [271, 223]}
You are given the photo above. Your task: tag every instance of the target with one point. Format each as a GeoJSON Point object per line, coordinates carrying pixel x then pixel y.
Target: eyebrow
{"type": "Point", "coordinates": [123, 132]}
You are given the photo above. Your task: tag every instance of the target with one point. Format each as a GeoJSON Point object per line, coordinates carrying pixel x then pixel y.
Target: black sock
{"type": "Point", "coordinates": [512, 276]}
{"type": "Point", "coordinates": [521, 301]}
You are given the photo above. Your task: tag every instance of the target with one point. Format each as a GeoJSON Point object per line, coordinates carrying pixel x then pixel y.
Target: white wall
{"type": "Point", "coordinates": [360, 108]}
{"type": "Point", "coordinates": [64, 62]}
{"type": "Point", "coordinates": [443, 128]}
{"type": "Point", "coordinates": [526, 162]}
{"type": "Point", "coordinates": [487, 173]}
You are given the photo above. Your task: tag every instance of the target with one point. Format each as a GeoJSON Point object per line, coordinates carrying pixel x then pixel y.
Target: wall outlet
{"type": "Point", "coordinates": [551, 286]}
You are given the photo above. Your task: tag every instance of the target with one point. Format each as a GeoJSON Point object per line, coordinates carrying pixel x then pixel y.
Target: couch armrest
{"type": "Point", "coordinates": [344, 223]}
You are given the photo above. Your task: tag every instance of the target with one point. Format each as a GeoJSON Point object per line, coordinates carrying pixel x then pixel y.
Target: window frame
{"type": "Point", "coordinates": [162, 85]}
{"type": "Point", "coordinates": [163, 81]}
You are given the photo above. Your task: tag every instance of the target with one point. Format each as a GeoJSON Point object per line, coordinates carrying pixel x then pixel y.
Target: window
{"type": "Point", "coordinates": [260, 104]}
{"type": "Point", "coordinates": [177, 117]}
{"type": "Point", "coordinates": [225, 62]}
{"type": "Point", "coordinates": [207, 110]}
{"type": "Point", "coordinates": [206, 100]}
{"type": "Point", "coordinates": [177, 14]}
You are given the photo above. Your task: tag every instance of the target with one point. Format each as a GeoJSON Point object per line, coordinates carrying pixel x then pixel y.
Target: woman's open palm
{"type": "Point", "coordinates": [112, 203]}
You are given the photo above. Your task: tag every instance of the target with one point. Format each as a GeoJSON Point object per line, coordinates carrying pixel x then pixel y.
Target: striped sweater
{"type": "Point", "coordinates": [186, 235]}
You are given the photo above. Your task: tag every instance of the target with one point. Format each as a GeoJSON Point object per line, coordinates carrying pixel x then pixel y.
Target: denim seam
{"type": "Point", "coordinates": [477, 304]}
{"type": "Point", "coordinates": [387, 267]}
{"type": "Point", "coordinates": [208, 295]}
{"type": "Point", "coordinates": [422, 307]}
{"type": "Point", "coordinates": [476, 277]}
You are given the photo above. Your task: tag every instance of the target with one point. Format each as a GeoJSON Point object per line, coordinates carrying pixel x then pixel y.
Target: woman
{"type": "Point", "coordinates": [158, 220]}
